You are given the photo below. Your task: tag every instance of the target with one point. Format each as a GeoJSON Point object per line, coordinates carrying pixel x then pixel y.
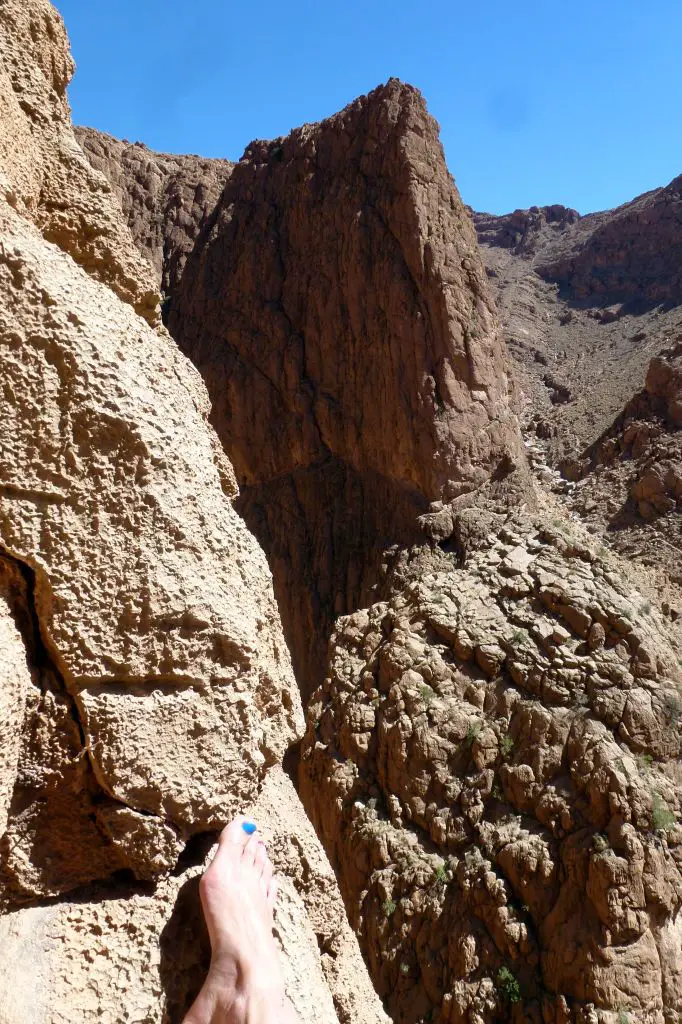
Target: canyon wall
{"type": "Point", "coordinates": [337, 308]}
{"type": "Point", "coordinates": [492, 754]}
{"type": "Point", "coordinates": [166, 199]}
{"type": "Point", "coordinates": [146, 692]}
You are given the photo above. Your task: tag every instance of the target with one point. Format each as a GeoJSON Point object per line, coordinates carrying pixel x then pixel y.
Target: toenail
{"type": "Point", "coordinates": [249, 827]}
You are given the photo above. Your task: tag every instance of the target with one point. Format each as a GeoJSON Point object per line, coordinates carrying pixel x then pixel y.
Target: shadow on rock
{"type": "Point", "coordinates": [185, 953]}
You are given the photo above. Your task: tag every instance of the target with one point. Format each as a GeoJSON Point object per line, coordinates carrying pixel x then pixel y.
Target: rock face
{"type": "Point", "coordinates": [166, 200]}
{"type": "Point", "coordinates": [629, 482]}
{"type": "Point", "coordinates": [146, 692]}
{"type": "Point", "coordinates": [45, 174]}
{"type": "Point", "coordinates": [338, 311]}
{"type": "Point", "coordinates": [493, 764]}
{"type": "Point", "coordinates": [493, 758]}
{"type": "Point", "coordinates": [586, 302]}
{"type": "Point", "coordinates": [632, 254]}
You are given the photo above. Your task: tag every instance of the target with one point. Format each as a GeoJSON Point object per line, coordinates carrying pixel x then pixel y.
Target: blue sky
{"type": "Point", "coordinates": [538, 101]}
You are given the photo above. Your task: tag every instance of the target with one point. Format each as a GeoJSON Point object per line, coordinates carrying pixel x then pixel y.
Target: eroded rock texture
{"type": "Point", "coordinates": [146, 691]}
{"type": "Point", "coordinates": [166, 200]}
{"type": "Point", "coordinates": [44, 172]}
{"type": "Point", "coordinates": [493, 764]}
{"type": "Point", "coordinates": [338, 311]}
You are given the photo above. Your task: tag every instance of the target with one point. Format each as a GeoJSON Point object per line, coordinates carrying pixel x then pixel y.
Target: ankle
{"type": "Point", "coordinates": [229, 996]}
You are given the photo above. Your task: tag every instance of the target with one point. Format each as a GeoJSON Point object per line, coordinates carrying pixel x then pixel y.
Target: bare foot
{"type": "Point", "coordinates": [244, 984]}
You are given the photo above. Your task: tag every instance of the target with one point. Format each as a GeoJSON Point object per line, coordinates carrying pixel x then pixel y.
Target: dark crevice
{"type": "Point", "coordinates": [28, 623]}
{"type": "Point", "coordinates": [196, 851]}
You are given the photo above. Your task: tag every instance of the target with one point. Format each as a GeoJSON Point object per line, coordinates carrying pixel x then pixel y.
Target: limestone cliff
{"type": "Point", "coordinates": [338, 311]}
{"type": "Point", "coordinates": [146, 692]}
{"type": "Point", "coordinates": [492, 758]}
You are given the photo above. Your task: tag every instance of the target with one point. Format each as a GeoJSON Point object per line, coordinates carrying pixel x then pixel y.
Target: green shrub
{"type": "Point", "coordinates": [441, 874]}
{"type": "Point", "coordinates": [388, 906]}
{"type": "Point", "coordinates": [472, 732]}
{"type": "Point", "coordinates": [600, 842]}
{"type": "Point", "coordinates": [506, 744]}
{"type": "Point", "coordinates": [427, 693]}
{"type": "Point", "coordinates": [508, 985]}
{"type": "Point", "coordinates": [661, 818]}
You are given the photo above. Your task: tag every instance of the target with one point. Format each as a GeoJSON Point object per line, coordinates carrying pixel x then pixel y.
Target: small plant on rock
{"type": "Point", "coordinates": [644, 763]}
{"type": "Point", "coordinates": [441, 874]}
{"type": "Point", "coordinates": [388, 907]}
{"type": "Point", "coordinates": [623, 1017]}
{"type": "Point", "coordinates": [662, 819]}
{"type": "Point", "coordinates": [506, 745]}
{"type": "Point", "coordinates": [427, 693]}
{"type": "Point", "coordinates": [600, 842]}
{"type": "Point", "coordinates": [472, 733]}
{"type": "Point", "coordinates": [508, 986]}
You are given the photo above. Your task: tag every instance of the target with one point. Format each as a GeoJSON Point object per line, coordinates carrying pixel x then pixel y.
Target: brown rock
{"type": "Point", "coordinates": [500, 823]}
{"type": "Point", "coordinates": [166, 199]}
{"type": "Point", "coordinates": [339, 313]}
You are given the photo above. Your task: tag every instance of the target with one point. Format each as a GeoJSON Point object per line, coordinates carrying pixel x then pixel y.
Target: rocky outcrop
{"type": "Point", "coordinates": [493, 764]}
{"type": "Point", "coordinates": [166, 199]}
{"type": "Point", "coordinates": [44, 172]}
{"type": "Point", "coordinates": [631, 254]}
{"type": "Point", "coordinates": [524, 231]}
{"type": "Point", "coordinates": [338, 311]}
{"type": "Point", "coordinates": [587, 301]}
{"type": "Point", "coordinates": [146, 691]}
{"type": "Point", "coordinates": [629, 482]}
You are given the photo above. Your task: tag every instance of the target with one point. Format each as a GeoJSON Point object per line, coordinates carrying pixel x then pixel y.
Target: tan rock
{"type": "Point", "coordinates": [43, 172]}
{"type": "Point", "coordinates": [512, 816]}
{"type": "Point", "coordinates": [146, 692]}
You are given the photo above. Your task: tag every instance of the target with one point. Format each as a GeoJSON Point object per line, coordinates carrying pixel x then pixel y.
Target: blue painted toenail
{"type": "Point", "coordinates": [249, 827]}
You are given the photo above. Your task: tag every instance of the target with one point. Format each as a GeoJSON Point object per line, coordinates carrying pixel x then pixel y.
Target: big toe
{"type": "Point", "coordinates": [238, 831]}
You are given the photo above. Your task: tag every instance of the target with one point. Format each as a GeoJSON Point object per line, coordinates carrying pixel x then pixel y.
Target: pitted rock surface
{"type": "Point", "coordinates": [43, 171]}
{"type": "Point", "coordinates": [166, 199]}
{"type": "Point", "coordinates": [146, 692]}
{"type": "Point", "coordinates": [493, 765]}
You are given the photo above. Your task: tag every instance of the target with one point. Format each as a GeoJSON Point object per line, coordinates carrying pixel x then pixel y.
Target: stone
{"type": "Point", "coordinates": [166, 199]}
{"type": "Point", "coordinates": [518, 560]}
{"type": "Point", "coordinates": [544, 813]}
{"type": "Point", "coordinates": [45, 175]}
{"type": "Point", "coordinates": [367, 366]}
{"type": "Point", "coordinates": [146, 691]}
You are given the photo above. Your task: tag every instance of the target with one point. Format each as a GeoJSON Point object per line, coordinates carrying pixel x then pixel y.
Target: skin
{"type": "Point", "coordinates": [244, 984]}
